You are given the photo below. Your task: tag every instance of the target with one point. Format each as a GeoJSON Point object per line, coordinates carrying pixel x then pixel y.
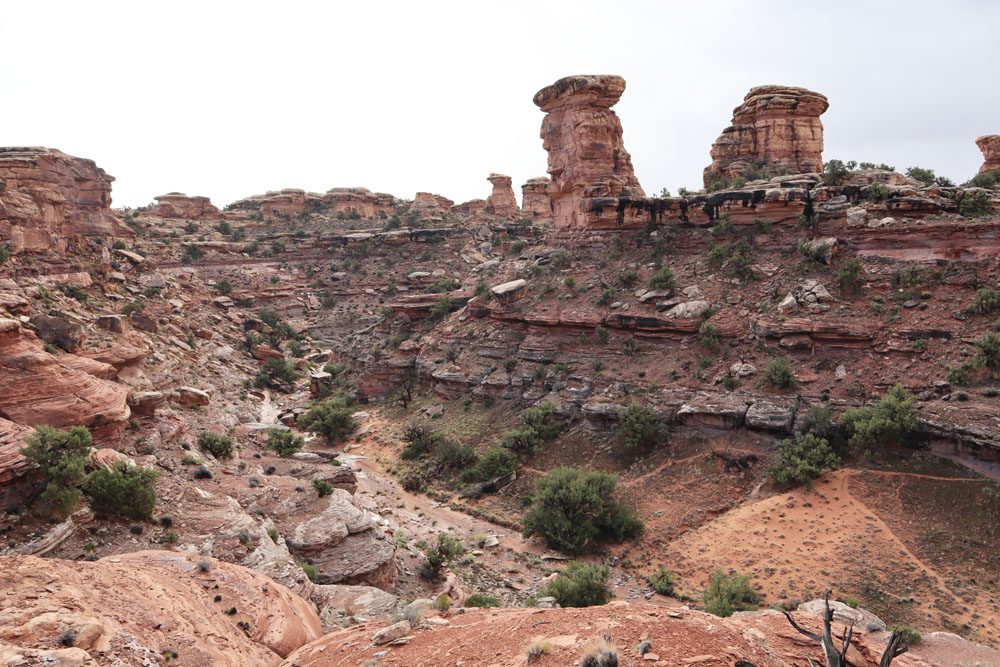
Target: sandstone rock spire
{"type": "Point", "coordinates": [776, 130]}
{"type": "Point", "coordinates": [990, 146]}
{"type": "Point", "coordinates": [502, 200]}
{"type": "Point", "coordinates": [583, 137]}
{"type": "Point", "coordinates": [535, 202]}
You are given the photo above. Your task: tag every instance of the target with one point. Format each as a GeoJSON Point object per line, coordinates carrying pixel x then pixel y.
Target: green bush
{"type": "Point", "coordinates": [662, 581]}
{"type": "Point", "coordinates": [73, 291]}
{"type": "Point", "coordinates": [835, 172]}
{"type": "Point", "coordinates": [663, 279]}
{"type": "Point", "coordinates": [481, 600]}
{"type": "Point", "coordinates": [191, 253]}
{"type": "Point", "coordinates": [61, 456]}
{"type": "Point", "coordinates": [628, 277]}
{"type": "Point", "coordinates": [925, 176]}
{"type": "Point", "coordinates": [640, 427]}
{"type": "Point", "coordinates": [987, 301]}
{"type": "Point", "coordinates": [580, 585]}
{"type": "Point", "coordinates": [4, 253]}
{"type": "Point", "coordinates": [332, 419]}
{"type": "Point", "coordinates": [728, 593]}
{"type": "Point", "coordinates": [975, 205]}
{"type": "Point", "coordinates": [323, 488]}
{"type": "Point", "coordinates": [873, 427]}
{"type": "Point", "coordinates": [708, 335]}
{"type": "Point", "coordinates": [989, 179]}
{"type": "Point", "coordinates": [443, 306]}
{"type": "Point", "coordinates": [523, 439]}
{"type": "Point", "coordinates": [450, 455]}
{"type": "Point", "coordinates": [284, 443]}
{"type": "Point", "coordinates": [496, 462]}
{"type": "Point", "coordinates": [125, 490]}
{"type": "Point", "coordinates": [778, 373]}
{"type": "Point", "coordinates": [445, 551]}
{"type": "Point", "coordinates": [989, 351]}
{"type": "Point", "coordinates": [277, 374]}
{"type": "Point", "coordinates": [134, 306]}
{"type": "Point", "coordinates": [420, 441]}
{"type": "Point", "coordinates": [224, 287]}
{"type": "Point", "coordinates": [542, 419]}
{"type": "Point", "coordinates": [802, 459]}
{"type": "Point", "coordinates": [573, 509]}
{"type": "Point", "coordinates": [219, 446]}
{"type": "Point", "coordinates": [849, 276]}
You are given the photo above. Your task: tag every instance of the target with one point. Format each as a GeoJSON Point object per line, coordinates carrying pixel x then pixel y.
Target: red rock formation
{"type": "Point", "coordinates": [502, 200]}
{"type": "Point", "coordinates": [284, 204]}
{"type": "Point", "coordinates": [776, 130]}
{"type": "Point", "coordinates": [359, 201]}
{"type": "Point", "coordinates": [990, 146]}
{"type": "Point", "coordinates": [40, 388]}
{"type": "Point", "coordinates": [15, 471]}
{"type": "Point", "coordinates": [179, 205]}
{"type": "Point", "coordinates": [130, 608]}
{"type": "Point", "coordinates": [535, 202]}
{"type": "Point", "coordinates": [470, 207]}
{"type": "Point", "coordinates": [46, 197]}
{"type": "Point", "coordinates": [583, 137]}
{"type": "Point", "coordinates": [428, 204]}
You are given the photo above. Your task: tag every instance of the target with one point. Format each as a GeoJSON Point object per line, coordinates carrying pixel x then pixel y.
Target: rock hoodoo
{"type": "Point", "coordinates": [535, 202]}
{"type": "Point", "coordinates": [502, 200]}
{"type": "Point", "coordinates": [990, 146]}
{"type": "Point", "coordinates": [179, 205]}
{"type": "Point", "coordinates": [46, 197]}
{"type": "Point", "coordinates": [583, 137]}
{"type": "Point", "coordinates": [775, 131]}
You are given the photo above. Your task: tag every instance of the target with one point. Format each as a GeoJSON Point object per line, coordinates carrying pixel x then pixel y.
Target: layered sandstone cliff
{"type": "Point", "coordinates": [990, 146]}
{"type": "Point", "coordinates": [56, 390]}
{"type": "Point", "coordinates": [360, 202]}
{"type": "Point", "coordinates": [47, 197]}
{"type": "Point", "coordinates": [583, 137]}
{"type": "Point", "coordinates": [775, 131]}
{"type": "Point", "coordinates": [179, 205]}
{"type": "Point", "coordinates": [502, 201]}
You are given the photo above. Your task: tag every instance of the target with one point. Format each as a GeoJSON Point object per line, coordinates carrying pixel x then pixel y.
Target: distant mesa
{"type": "Point", "coordinates": [179, 205]}
{"type": "Point", "coordinates": [990, 146]}
{"type": "Point", "coordinates": [775, 131]}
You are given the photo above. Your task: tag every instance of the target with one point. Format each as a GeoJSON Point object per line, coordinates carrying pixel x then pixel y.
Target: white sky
{"type": "Point", "coordinates": [229, 99]}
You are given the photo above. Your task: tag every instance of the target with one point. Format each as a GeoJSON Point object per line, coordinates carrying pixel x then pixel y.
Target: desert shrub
{"type": "Point", "coordinates": [814, 255]}
{"type": "Point", "coordinates": [708, 335]}
{"type": "Point", "coordinates": [849, 276]}
{"type": "Point", "coordinates": [925, 176]}
{"type": "Point", "coordinates": [332, 419]}
{"type": "Point", "coordinates": [560, 259]}
{"type": "Point", "coordinates": [640, 427]}
{"type": "Point", "coordinates": [663, 279]}
{"type": "Point", "coordinates": [736, 258]}
{"type": "Point", "coordinates": [495, 462]}
{"type": "Point", "coordinates": [441, 286]}
{"type": "Point", "coordinates": [728, 593]}
{"type": "Point", "coordinates": [778, 373]}
{"type": "Point", "coordinates": [572, 509]}
{"type": "Point", "coordinates": [516, 247]}
{"type": "Point", "coordinates": [601, 652]}
{"type": "Point", "coordinates": [989, 351]}
{"type": "Point", "coordinates": [975, 205]}
{"type": "Point", "coordinates": [521, 439]}
{"type": "Point", "coordinates": [443, 552]}
{"type": "Point", "coordinates": [662, 581]}
{"type": "Point", "coordinates": [224, 287]}
{"type": "Point", "coordinates": [802, 459]}
{"type": "Point", "coordinates": [277, 374]}
{"type": "Point", "coordinates": [835, 172]}
{"type": "Point", "coordinates": [73, 291]}
{"type": "Point", "coordinates": [580, 585]}
{"type": "Point", "coordinates": [61, 456]}
{"type": "Point", "coordinates": [219, 446]}
{"type": "Point", "coordinates": [441, 308]}
{"type": "Point", "coordinates": [322, 487]}
{"type": "Point", "coordinates": [481, 600]}
{"type": "Point", "coordinates": [125, 490]}
{"type": "Point", "coordinates": [987, 301]}
{"type": "Point", "coordinates": [284, 443]}
{"type": "Point", "coordinates": [310, 571]}
{"type": "Point", "coordinates": [420, 440]}
{"type": "Point", "coordinates": [628, 277]}
{"type": "Point", "coordinates": [134, 306]}
{"type": "Point", "coordinates": [4, 253]}
{"type": "Point", "coordinates": [450, 455]}
{"type": "Point", "coordinates": [538, 424]}
{"type": "Point", "coordinates": [908, 276]}
{"type": "Point", "coordinates": [989, 179]}
{"type": "Point", "coordinates": [536, 649]}
{"type": "Point", "coordinates": [871, 428]}
{"type": "Point", "coordinates": [191, 253]}
{"type": "Point", "coordinates": [818, 421]}
{"type": "Point", "coordinates": [482, 289]}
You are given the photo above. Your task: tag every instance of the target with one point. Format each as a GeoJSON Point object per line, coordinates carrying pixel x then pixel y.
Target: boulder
{"type": "Point", "coordinates": [689, 310]}
{"type": "Point", "coordinates": [59, 331]}
{"type": "Point", "coordinates": [190, 396]}
{"type": "Point", "coordinates": [509, 288]}
{"type": "Point", "coordinates": [391, 633]}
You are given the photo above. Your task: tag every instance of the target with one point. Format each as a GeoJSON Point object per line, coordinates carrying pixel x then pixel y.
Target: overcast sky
{"type": "Point", "coordinates": [229, 99]}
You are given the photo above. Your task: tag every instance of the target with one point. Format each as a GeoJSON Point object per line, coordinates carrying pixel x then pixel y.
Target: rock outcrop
{"type": "Point", "coordinates": [583, 137]}
{"type": "Point", "coordinates": [360, 202]}
{"type": "Point", "coordinates": [40, 388]}
{"type": "Point", "coordinates": [15, 472]}
{"type": "Point", "coordinates": [47, 197]}
{"type": "Point", "coordinates": [535, 202]}
{"type": "Point", "coordinates": [990, 146]}
{"type": "Point", "coordinates": [775, 131]}
{"type": "Point", "coordinates": [179, 205]}
{"type": "Point", "coordinates": [133, 609]}
{"type": "Point", "coordinates": [427, 204]}
{"type": "Point", "coordinates": [284, 204]}
{"type": "Point", "coordinates": [502, 201]}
